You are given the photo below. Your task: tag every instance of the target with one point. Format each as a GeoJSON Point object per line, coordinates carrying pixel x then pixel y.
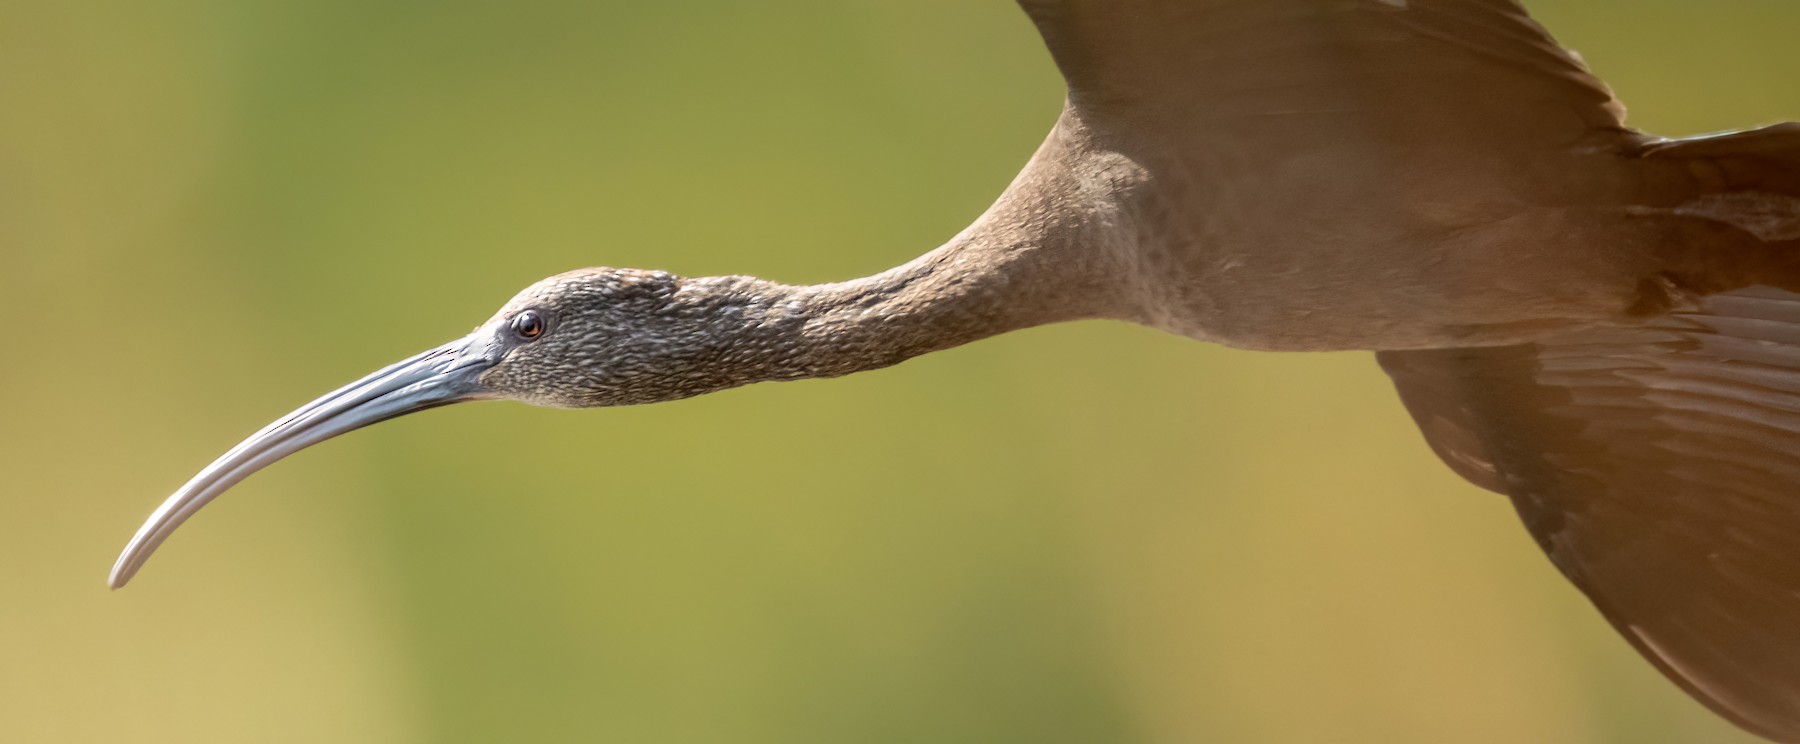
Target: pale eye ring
{"type": "Point", "coordinates": [529, 325]}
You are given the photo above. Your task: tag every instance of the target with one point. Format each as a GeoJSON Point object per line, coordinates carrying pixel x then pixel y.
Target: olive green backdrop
{"type": "Point", "coordinates": [211, 211]}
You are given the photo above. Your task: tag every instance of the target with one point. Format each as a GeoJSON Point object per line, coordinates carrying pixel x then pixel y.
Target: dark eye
{"type": "Point", "coordinates": [528, 325]}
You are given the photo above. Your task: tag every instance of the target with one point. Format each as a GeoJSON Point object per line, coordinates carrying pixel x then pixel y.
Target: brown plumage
{"type": "Point", "coordinates": [1600, 324]}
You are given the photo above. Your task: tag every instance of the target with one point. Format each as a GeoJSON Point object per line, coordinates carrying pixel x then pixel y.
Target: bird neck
{"type": "Point", "coordinates": [968, 290]}
{"type": "Point", "coordinates": [1054, 248]}
{"type": "Point", "coordinates": [976, 286]}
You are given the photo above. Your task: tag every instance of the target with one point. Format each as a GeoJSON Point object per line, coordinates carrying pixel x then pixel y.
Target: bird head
{"type": "Point", "coordinates": [593, 337]}
{"type": "Point", "coordinates": [608, 337]}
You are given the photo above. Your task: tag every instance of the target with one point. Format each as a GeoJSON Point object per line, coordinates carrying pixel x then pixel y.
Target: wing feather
{"type": "Point", "coordinates": [1379, 61]}
{"type": "Point", "coordinates": [1659, 467]}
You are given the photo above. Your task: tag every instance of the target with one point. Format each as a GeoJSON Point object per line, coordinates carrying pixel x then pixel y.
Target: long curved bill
{"type": "Point", "coordinates": [444, 375]}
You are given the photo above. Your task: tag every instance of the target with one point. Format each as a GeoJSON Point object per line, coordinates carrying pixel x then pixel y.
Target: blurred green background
{"type": "Point", "coordinates": [211, 211]}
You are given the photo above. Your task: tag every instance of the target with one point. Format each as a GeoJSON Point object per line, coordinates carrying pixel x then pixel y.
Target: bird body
{"type": "Point", "coordinates": [1601, 324]}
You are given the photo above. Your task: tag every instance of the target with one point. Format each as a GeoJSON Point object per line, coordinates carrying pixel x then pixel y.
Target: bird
{"type": "Point", "coordinates": [1600, 324]}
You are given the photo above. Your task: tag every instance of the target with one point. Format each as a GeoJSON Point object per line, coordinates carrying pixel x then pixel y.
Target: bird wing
{"type": "Point", "coordinates": [1445, 68]}
{"type": "Point", "coordinates": [1389, 160]}
{"type": "Point", "coordinates": [1659, 467]}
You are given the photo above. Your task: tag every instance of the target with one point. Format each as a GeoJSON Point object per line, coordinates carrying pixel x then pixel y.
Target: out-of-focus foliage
{"type": "Point", "coordinates": [211, 211]}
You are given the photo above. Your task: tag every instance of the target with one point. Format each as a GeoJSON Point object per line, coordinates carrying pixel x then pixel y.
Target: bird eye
{"type": "Point", "coordinates": [528, 325]}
